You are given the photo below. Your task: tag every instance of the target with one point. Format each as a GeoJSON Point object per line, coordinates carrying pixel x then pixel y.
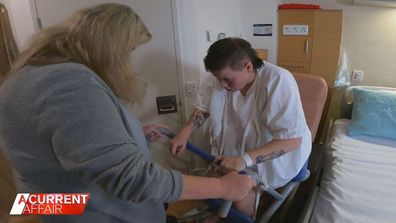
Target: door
{"type": "Point", "coordinates": [154, 61]}
{"type": "Point", "coordinates": [8, 47]}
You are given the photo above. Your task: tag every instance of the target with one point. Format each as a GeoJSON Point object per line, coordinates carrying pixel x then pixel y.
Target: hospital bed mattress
{"type": "Point", "coordinates": [359, 180]}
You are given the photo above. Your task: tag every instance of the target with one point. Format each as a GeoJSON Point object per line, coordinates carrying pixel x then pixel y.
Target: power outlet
{"type": "Point", "coordinates": [295, 30]}
{"type": "Point", "coordinates": [357, 75]}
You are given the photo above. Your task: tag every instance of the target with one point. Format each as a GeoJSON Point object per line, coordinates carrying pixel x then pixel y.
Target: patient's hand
{"type": "Point", "coordinates": [177, 145]}
{"type": "Point", "coordinates": [152, 132]}
{"type": "Point", "coordinates": [230, 163]}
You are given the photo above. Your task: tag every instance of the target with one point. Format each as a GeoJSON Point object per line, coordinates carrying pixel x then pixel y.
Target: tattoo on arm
{"type": "Point", "coordinates": [271, 156]}
{"type": "Point", "coordinates": [198, 118]}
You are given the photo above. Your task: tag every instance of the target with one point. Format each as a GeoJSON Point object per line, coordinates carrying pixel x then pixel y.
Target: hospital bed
{"type": "Point", "coordinates": [359, 177]}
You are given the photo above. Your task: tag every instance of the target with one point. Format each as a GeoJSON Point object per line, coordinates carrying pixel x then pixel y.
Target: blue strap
{"type": "Point", "coordinates": [302, 174]}
{"type": "Point", "coordinates": [234, 216]}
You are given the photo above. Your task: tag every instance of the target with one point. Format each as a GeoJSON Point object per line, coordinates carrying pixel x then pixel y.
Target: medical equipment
{"type": "Point", "coordinates": [313, 93]}
{"type": "Point", "coordinates": [224, 207]}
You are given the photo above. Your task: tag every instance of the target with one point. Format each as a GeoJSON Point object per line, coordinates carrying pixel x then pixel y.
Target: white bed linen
{"type": "Point", "coordinates": [359, 181]}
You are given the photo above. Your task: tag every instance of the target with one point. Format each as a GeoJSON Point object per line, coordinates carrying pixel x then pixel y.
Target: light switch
{"type": "Point", "coordinates": [210, 36]}
{"type": "Point", "coordinates": [191, 88]}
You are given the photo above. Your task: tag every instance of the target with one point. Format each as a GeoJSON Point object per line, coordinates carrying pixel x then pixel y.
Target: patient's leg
{"type": "Point", "coordinates": [247, 205]}
{"type": "Point", "coordinates": [214, 218]}
{"type": "Point", "coordinates": [265, 202]}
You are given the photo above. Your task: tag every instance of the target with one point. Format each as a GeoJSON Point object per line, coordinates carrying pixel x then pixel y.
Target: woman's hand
{"type": "Point", "coordinates": [230, 163]}
{"type": "Point", "coordinates": [236, 187]}
{"type": "Point", "coordinates": [152, 132]}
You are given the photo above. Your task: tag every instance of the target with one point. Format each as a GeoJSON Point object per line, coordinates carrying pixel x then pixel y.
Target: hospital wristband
{"type": "Point", "coordinates": [248, 161]}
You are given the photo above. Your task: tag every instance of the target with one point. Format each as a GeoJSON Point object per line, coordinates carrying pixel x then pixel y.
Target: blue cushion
{"type": "Point", "coordinates": [373, 113]}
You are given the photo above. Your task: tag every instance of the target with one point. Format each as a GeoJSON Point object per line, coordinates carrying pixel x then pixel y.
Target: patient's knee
{"type": "Point", "coordinates": [247, 205]}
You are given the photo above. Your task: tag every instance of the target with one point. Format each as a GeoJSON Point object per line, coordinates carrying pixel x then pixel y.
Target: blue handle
{"type": "Point", "coordinates": [205, 155]}
{"type": "Point", "coordinates": [193, 148]}
{"type": "Point", "coordinates": [225, 208]}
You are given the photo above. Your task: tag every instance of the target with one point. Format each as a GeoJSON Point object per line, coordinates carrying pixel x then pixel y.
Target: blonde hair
{"type": "Point", "coordinates": [102, 38]}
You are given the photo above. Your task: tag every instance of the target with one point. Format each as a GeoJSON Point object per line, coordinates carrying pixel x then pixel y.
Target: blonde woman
{"type": "Point", "coordinates": [64, 129]}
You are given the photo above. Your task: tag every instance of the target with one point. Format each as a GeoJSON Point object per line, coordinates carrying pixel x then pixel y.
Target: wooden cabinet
{"type": "Point", "coordinates": [262, 53]}
{"type": "Point", "coordinates": [316, 53]}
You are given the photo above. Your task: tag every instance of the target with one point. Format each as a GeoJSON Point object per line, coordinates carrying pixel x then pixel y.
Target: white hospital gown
{"type": "Point", "coordinates": [270, 110]}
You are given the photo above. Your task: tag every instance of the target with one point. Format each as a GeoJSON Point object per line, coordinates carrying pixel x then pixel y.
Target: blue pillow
{"type": "Point", "coordinates": [373, 113]}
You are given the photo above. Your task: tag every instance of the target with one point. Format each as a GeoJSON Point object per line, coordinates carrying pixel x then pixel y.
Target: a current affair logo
{"type": "Point", "coordinates": [49, 204]}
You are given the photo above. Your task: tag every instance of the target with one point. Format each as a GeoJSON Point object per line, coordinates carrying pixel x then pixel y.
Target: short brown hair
{"type": "Point", "coordinates": [230, 52]}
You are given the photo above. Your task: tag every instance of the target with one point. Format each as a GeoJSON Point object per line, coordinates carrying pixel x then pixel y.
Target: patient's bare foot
{"type": "Point", "coordinates": [214, 218]}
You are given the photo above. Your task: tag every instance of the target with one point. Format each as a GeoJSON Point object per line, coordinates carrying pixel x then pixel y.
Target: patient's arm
{"type": "Point", "coordinates": [269, 151]}
{"type": "Point", "coordinates": [152, 132]}
{"type": "Point", "coordinates": [231, 186]}
{"type": "Point", "coordinates": [274, 149]}
{"type": "Point", "coordinates": [178, 143]}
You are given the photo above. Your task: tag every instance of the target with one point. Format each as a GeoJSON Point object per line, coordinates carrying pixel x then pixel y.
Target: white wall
{"type": "Point", "coordinates": [370, 43]}
{"type": "Point", "coordinates": [195, 18]}
{"type": "Point", "coordinates": [261, 12]}
{"type": "Point", "coordinates": [216, 16]}
{"type": "Point", "coordinates": [368, 38]}
{"type": "Point", "coordinates": [368, 32]}
{"type": "Point", "coordinates": [21, 19]}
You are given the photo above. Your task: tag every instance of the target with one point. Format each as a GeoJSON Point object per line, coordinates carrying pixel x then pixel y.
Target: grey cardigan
{"type": "Point", "coordinates": [64, 130]}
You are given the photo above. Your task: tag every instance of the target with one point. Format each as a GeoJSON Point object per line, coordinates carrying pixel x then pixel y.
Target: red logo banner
{"type": "Point", "coordinates": [49, 204]}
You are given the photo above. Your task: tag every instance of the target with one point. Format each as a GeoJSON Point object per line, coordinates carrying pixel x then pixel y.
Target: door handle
{"type": "Point", "coordinates": [306, 47]}
{"type": "Point", "coordinates": [167, 108]}
{"type": "Point", "coordinates": [166, 104]}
